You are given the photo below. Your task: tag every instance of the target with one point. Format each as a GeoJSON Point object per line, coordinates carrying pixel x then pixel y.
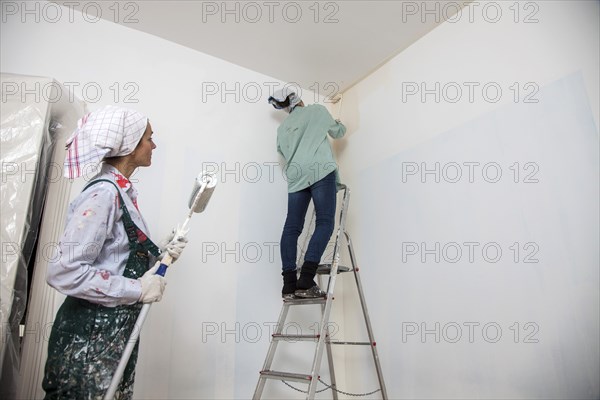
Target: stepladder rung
{"type": "Point", "coordinates": [325, 269]}
{"type": "Point", "coordinates": [350, 343]}
{"type": "Point", "coordinates": [297, 302]}
{"type": "Point", "coordinates": [287, 376]}
{"type": "Point", "coordinates": [295, 338]}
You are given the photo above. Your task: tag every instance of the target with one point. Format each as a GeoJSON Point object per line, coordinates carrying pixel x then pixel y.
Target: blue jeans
{"type": "Point", "coordinates": [323, 195]}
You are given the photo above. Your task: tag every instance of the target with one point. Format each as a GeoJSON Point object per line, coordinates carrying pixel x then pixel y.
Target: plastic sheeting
{"type": "Point", "coordinates": [34, 112]}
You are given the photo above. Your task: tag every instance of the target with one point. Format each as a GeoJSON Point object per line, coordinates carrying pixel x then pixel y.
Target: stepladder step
{"type": "Point", "coordinates": [295, 338]}
{"type": "Point", "coordinates": [287, 376]}
{"type": "Point", "coordinates": [299, 301]}
{"type": "Point", "coordinates": [325, 269]}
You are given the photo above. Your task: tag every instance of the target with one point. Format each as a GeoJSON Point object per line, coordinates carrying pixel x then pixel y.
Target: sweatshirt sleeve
{"type": "Point", "coordinates": [335, 129]}
{"type": "Point", "coordinates": [74, 271]}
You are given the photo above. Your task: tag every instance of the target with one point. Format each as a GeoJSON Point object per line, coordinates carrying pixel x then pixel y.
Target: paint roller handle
{"type": "Point", "coordinates": [162, 269]}
{"type": "Point", "coordinates": [168, 259]}
{"type": "Point", "coordinates": [166, 262]}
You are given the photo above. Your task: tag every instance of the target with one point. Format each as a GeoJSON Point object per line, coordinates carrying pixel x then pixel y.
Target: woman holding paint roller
{"type": "Point", "coordinates": [312, 173]}
{"type": "Point", "coordinates": [104, 259]}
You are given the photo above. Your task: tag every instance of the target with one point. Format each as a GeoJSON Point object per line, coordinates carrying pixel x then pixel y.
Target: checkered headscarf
{"type": "Point", "coordinates": [109, 132]}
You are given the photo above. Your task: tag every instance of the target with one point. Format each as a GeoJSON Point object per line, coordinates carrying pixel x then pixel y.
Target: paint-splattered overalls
{"type": "Point", "coordinates": [87, 339]}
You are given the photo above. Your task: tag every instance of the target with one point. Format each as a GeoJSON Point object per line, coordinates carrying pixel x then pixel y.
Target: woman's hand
{"type": "Point", "coordinates": [173, 244]}
{"type": "Point", "coordinates": [153, 285]}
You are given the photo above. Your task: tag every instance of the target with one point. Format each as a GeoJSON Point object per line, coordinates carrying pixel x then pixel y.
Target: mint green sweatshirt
{"type": "Point", "coordinates": [302, 141]}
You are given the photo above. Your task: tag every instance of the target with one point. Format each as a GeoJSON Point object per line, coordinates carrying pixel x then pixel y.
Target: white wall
{"type": "Point", "coordinates": [557, 217]}
{"type": "Point", "coordinates": [230, 271]}
{"type": "Point", "coordinates": [210, 289]}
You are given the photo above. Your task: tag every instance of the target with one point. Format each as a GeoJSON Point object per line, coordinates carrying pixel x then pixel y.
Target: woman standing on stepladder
{"type": "Point", "coordinates": [312, 173]}
{"type": "Point", "coordinates": [104, 259]}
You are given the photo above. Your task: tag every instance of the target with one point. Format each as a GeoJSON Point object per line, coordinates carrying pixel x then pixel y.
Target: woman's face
{"type": "Point", "coordinates": [142, 155]}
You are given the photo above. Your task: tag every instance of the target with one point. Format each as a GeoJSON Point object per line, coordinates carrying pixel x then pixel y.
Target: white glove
{"type": "Point", "coordinates": [173, 243]}
{"type": "Point", "coordinates": [153, 285]}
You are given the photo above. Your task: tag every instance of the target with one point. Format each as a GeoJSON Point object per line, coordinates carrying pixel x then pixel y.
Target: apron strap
{"type": "Point", "coordinates": [134, 234]}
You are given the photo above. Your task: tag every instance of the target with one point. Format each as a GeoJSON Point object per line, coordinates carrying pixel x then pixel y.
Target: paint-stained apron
{"type": "Point", "coordinates": [87, 340]}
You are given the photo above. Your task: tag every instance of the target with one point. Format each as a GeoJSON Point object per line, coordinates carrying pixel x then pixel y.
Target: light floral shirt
{"type": "Point", "coordinates": [94, 249]}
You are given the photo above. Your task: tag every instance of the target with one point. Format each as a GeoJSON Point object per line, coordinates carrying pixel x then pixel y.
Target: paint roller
{"type": "Point", "coordinates": [204, 186]}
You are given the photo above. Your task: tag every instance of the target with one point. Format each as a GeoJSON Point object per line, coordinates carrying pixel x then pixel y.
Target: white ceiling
{"type": "Point", "coordinates": [341, 43]}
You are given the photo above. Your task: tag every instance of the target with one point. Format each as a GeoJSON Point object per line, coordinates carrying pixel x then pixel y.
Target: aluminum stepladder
{"type": "Point", "coordinates": [323, 338]}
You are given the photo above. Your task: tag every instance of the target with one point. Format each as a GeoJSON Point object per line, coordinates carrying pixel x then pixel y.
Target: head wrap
{"type": "Point", "coordinates": [281, 97]}
{"type": "Point", "coordinates": [109, 132]}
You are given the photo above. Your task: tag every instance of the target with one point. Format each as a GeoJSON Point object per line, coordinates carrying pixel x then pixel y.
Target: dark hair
{"type": "Point", "coordinates": [285, 103]}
